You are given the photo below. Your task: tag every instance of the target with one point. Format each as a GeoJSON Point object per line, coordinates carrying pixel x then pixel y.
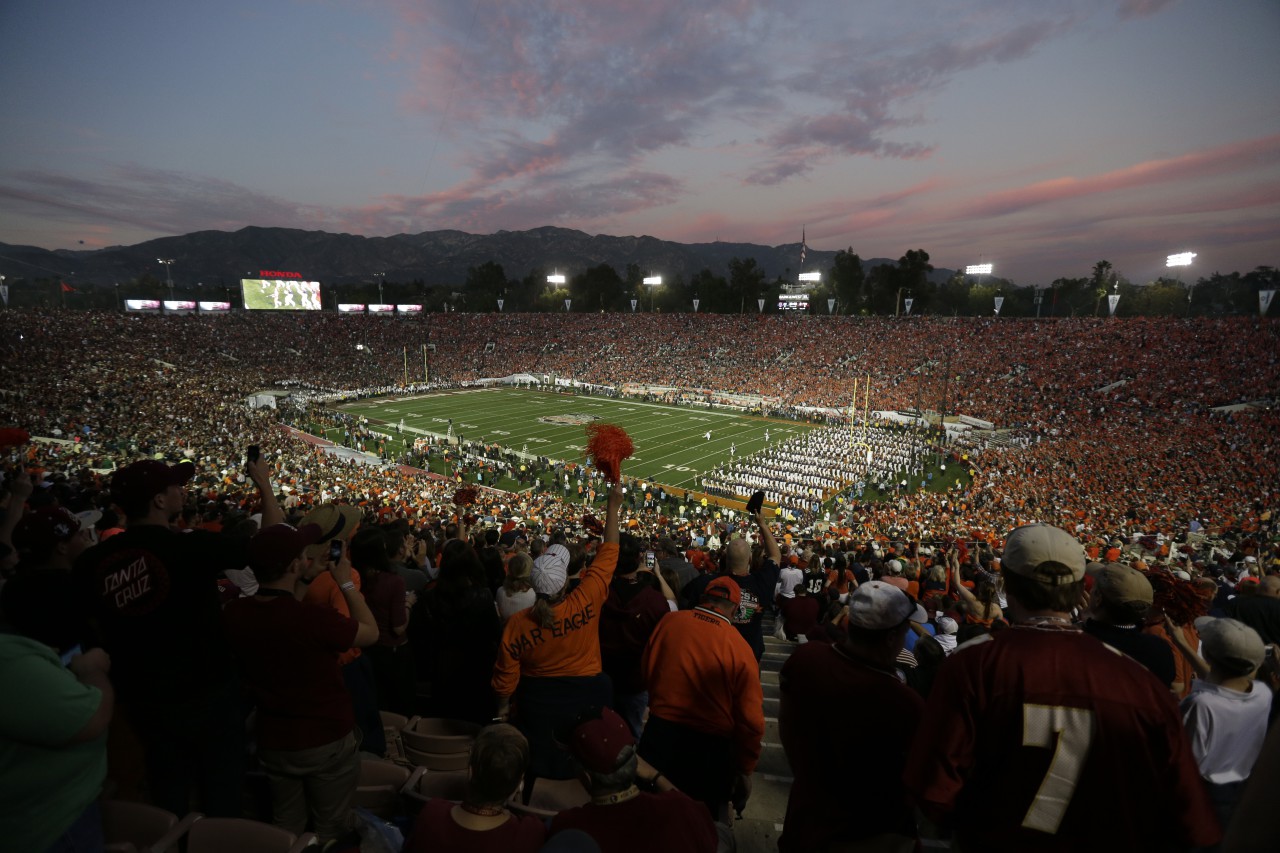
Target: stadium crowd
{"type": "Point", "coordinates": [197, 585]}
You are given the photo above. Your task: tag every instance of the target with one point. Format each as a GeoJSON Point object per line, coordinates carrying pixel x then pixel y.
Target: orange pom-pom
{"type": "Point", "coordinates": [608, 445]}
{"type": "Point", "coordinates": [464, 496]}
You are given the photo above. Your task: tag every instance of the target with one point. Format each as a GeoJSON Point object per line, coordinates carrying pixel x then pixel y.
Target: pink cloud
{"type": "Point", "coordinates": [1224, 159]}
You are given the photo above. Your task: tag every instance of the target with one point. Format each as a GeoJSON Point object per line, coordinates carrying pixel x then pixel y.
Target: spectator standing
{"type": "Point", "coordinates": [1227, 709]}
{"type": "Point", "coordinates": [706, 705]}
{"type": "Point", "coordinates": [756, 588]}
{"type": "Point", "coordinates": [338, 523]}
{"type": "Point", "coordinates": [549, 657]}
{"type": "Point", "coordinates": [516, 592]}
{"type": "Point", "coordinates": [53, 745]}
{"type": "Point", "coordinates": [1122, 597]}
{"type": "Point", "coordinates": [288, 651]}
{"type": "Point", "coordinates": [1260, 611]}
{"type": "Point", "coordinates": [670, 556]}
{"type": "Point", "coordinates": [848, 787]}
{"type": "Point", "coordinates": [1032, 732]}
{"type": "Point", "coordinates": [384, 591]}
{"type": "Point", "coordinates": [153, 594]}
{"type": "Point", "coordinates": [627, 620]}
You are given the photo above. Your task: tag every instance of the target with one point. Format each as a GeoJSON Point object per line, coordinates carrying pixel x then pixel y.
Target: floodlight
{"type": "Point", "coordinates": [978, 269]}
{"type": "Point", "coordinates": [653, 279]}
{"type": "Point", "coordinates": [811, 276]}
{"type": "Point", "coordinates": [1182, 259]}
{"type": "Point", "coordinates": [556, 278]}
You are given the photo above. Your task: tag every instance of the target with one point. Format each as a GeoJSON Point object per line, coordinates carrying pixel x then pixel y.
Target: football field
{"type": "Point", "coordinates": [671, 443]}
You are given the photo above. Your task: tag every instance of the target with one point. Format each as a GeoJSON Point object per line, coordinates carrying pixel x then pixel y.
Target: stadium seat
{"type": "Point", "coordinates": [379, 787]}
{"type": "Point", "coordinates": [222, 834]}
{"type": "Point", "coordinates": [436, 760]}
{"type": "Point", "coordinates": [140, 828]}
{"type": "Point", "coordinates": [427, 784]}
{"type": "Point", "coordinates": [549, 797]}
{"type": "Point", "coordinates": [438, 735]}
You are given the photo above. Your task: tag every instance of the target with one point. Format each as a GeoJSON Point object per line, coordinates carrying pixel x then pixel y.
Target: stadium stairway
{"type": "Point", "coordinates": [761, 823]}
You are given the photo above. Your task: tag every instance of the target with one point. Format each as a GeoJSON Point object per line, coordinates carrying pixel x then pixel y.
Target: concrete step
{"type": "Point", "coordinates": [773, 761]}
{"type": "Point", "coordinates": [768, 676]}
{"type": "Point", "coordinates": [771, 691]}
{"type": "Point", "coordinates": [770, 705]}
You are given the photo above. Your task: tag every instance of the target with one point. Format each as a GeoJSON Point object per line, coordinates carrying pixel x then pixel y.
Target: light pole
{"type": "Point", "coordinates": [653, 281]}
{"type": "Point", "coordinates": [168, 272]}
{"type": "Point", "coordinates": [1182, 259]}
{"type": "Point", "coordinates": [381, 277]}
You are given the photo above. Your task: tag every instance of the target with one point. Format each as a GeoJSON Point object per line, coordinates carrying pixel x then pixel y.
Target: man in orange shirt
{"type": "Point", "coordinates": [706, 705]}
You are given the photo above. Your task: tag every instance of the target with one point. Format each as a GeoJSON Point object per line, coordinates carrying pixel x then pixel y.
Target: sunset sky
{"type": "Point", "coordinates": [1037, 136]}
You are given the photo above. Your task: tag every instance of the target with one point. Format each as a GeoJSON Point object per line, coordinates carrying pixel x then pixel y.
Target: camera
{"type": "Point", "coordinates": [335, 551]}
{"type": "Point", "coordinates": [252, 453]}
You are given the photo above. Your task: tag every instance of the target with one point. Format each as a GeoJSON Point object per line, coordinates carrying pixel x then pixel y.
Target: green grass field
{"type": "Point", "coordinates": [671, 444]}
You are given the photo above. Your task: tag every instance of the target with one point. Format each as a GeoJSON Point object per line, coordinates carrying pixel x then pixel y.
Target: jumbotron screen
{"type": "Point", "coordinates": [276, 294]}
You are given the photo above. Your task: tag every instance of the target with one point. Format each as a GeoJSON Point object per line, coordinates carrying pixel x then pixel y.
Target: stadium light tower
{"type": "Point", "coordinates": [556, 278]}
{"type": "Point", "coordinates": [1182, 259]}
{"type": "Point", "coordinates": [168, 272]}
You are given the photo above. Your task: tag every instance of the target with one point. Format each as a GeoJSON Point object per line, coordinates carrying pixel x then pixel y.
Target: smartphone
{"type": "Point", "coordinates": [71, 653]}
{"type": "Point", "coordinates": [252, 454]}
{"type": "Point", "coordinates": [649, 560]}
{"type": "Point", "coordinates": [335, 551]}
{"type": "Point", "coordinates": [756, 503]}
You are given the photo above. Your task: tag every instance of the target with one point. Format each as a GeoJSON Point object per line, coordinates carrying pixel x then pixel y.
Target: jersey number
{"type": "Point", "coordinates": [1074, 729]}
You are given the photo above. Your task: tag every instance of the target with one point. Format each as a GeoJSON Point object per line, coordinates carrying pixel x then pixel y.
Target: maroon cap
{"type": "Point", "coordinates": [39, 532]}
{"type": "Point", "coordinates": [134, 485]}
{"type": "Point", "coordinates": [275, 547]}
{"type": "Point", "coordinates": [726, 589]}
{"type": "Point", "coordinates": [598, 741]}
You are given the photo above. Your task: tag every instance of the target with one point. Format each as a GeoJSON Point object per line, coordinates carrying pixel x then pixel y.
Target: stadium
{"type": "Point", "coordinates": [885, 443]}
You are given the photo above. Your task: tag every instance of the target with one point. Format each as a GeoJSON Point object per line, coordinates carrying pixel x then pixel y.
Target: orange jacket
{"type": "Point", "coordinates": [703, 674]}
{"type": "Point", "coordinates": [571, 646]}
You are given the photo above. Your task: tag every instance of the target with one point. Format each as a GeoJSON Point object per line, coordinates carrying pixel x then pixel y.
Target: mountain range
{"type": "Point", "coordinates": [435, 257]}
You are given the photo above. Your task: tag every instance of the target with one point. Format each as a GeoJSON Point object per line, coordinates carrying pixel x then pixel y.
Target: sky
{"type": "Point", "coordinates": [1039, 137]}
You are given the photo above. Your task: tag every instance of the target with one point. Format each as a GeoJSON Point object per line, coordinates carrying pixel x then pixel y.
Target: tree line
{"type": "Point", "coordinates": [852, 288]}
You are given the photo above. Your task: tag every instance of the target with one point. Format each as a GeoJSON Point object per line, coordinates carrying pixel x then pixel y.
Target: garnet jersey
{"type": "Point", "coordinates": [1037, 739]}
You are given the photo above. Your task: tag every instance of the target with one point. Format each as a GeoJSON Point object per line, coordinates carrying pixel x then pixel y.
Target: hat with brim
{"type": "Point", "coordinates": [878, 606]}
{"type": "Point", "coordinates": [133, 486]}
{"type": "Point", "coordinates": [272, 549]}
{"type": "Point", "coordinates": [336, 521]}
{"type": "Point", "coordinates": [1046, 554]}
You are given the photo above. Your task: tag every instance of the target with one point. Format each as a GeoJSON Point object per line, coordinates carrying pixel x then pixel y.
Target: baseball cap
{"type": "Point", "coordinates": [134, 485]}
{"type": "Point", "coordinates": [1230, 645]}
{"type": "Point", "coordinates": [39, 532]}
{"type": "Point", "coordinates": [1120, 584]}
{"type": "Point", "coordinates": [894, 566]}
{"type": "Point", "coordinates": [336, 521]}
{"type": "Point", "coordinates": [550, 570]}
{"type": "Point", "coordinates": [598, 738]}
{"type": "Point", "coordinates": [274, 548]}
{"type": "Point", "coordinates": [724, 589]}
{"type": "Point", "coordinates": [877, 606]}
{"type": "Point", "coordinates": [947, 625]}
{"type": "Point", "coordinates": [1045, 554]}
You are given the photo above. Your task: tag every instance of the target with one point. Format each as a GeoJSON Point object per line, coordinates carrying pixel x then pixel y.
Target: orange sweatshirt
{"type": "Point", "coordinates": [703, 674]}
{"type": "Point", "coordinates": [571, 646]}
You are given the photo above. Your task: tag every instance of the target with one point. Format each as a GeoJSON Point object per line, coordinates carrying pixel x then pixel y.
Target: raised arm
{"type": "Point", "coordinates": [260, 472]}
{"type": "Point", "coordinates": [771, 549]}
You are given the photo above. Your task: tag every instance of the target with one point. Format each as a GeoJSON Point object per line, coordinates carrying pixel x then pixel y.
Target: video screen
{"type": "Point", "coordinates": [381, 309]}
{"type": "Point", "coordinates": [142, 305]}
{"type": "Point", "coordinates": [179, 306]}
{"type": "Point", "coordinates": [409, 310]}
{"type": "Point", "coordinates": [276, 294]}
{"type": "Point", "coordinates": [216, 307]}
{"type": "Point", "coordinates": [350, 308]}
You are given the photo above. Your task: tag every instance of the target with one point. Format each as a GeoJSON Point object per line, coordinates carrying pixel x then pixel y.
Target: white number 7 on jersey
{"type": "Point", "coordinates": [1074, 729]}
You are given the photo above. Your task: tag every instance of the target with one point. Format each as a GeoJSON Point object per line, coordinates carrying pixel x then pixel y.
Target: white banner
{"type": "Point", "coordinates": [633, 304]}
{"type": "Point", "coordinates": [999, 304]}
{"type": "Point", "coordinates": [696, 303]}
{"type": "Point", "coordinates": [1264, 301]}
{"type": "Point", "coordinates": [831, 306]}
{"type": "Point", "coordinates": [909, 301]}
{"type": "Point", "coordinates": [567, 303]}
{"type": "Point", "coordinates": [1113, 299]}
{"type": "Point", "coordinates": [760, 302]}
{"type": "Point", "coordinates": [500, 301]}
